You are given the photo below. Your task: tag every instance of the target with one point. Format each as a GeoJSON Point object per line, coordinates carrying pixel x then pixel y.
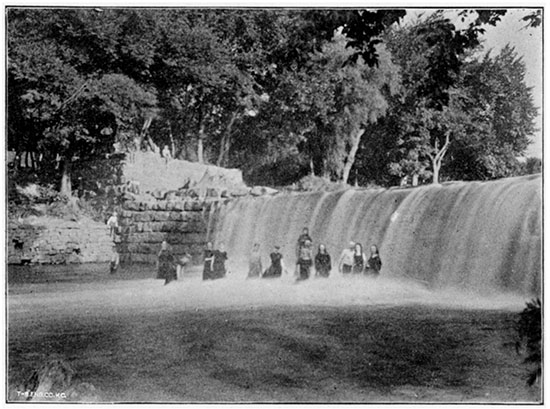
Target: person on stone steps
{"type": "Point", "coordinates": [166, 264]}
{"type": "Point", "coordinates": [208, 261]}
{"type": "Point", "coordinates": [112, 224]}
{"type": "Point", "coordinates": [322, 262]}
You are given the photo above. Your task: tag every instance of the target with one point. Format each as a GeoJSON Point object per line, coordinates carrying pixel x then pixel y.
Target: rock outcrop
{"type": "Point", "coordinates": [48, 240]}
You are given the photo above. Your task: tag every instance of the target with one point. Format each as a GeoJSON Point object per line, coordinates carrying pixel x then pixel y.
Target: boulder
{"type": "Point", "coordinates": [238, 192]}
{"type": "Point", "coordinates": [263, 190]}
{"type": "Point", "coordinates": [213, 192]}
{"type": "Point", "coordinates": [257, 191]}
{"type": "Point", "coordinates": [270, 191]}
{"type": "Point", "coordinates": [171, 195]}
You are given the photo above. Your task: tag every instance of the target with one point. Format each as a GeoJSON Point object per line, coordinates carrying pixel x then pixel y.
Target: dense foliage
{"type": "Point", "coordinates": [529, 329]}
{"type": "Point", "coordinates": [349, 95]}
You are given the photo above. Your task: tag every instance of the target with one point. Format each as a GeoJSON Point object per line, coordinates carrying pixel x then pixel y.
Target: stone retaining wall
{"type": "Point", "coordinates": [47, 240]}
{"type": "Point", "coordinates": [144, 225]}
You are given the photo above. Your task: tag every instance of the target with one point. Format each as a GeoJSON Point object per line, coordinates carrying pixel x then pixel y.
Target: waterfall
{"type": "Point", "coordinates": [482, 236]}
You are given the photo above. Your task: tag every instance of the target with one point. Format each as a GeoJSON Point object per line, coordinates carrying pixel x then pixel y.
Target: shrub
{"type": "Point", "coordinates": [530, 336]}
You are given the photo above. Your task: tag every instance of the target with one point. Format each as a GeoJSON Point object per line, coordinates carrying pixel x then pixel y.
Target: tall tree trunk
{"type": "Point", "coordinates": [66, 187]}
{"type": "Point", "coordinates": [144, 130]}
{"type": "Point", "coordinates": [436, 165]}
{"type": "Point", "coordinates": [226, 142]}
{"type": "Point", "coordinates": [200, 145]}
{"type": "Point", "coordinates": [173, 145]}
{"type": "Point", "coordinates": [438, 157]}
{"type": "Point", "coordinates": [351, 155]}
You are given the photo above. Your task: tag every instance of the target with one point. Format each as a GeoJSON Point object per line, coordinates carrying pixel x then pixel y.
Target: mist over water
{"type": "Point", "coordinates": [481, 237]}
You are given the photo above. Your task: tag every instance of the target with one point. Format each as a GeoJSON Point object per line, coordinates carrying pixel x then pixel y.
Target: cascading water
{"type": "Point", "coordinates": [482, 236]}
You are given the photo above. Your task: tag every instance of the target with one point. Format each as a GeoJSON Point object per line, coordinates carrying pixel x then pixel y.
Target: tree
{"type": "Point", "coordinates": [64, 95]}
{"type": "Point", "coordinates": [208, 73]}
{"type": "Point", "coordinates": [429, 53]}
{"type": "Point", "coordinates": [335, 101]}
{"type": "Point", "coordinates": [531, 166]}
{"type": "Point", "coordinates": [500, 118]}
{"type": "Point", "coordinates": [529, 330]}
{"type": "Point", "coordinates": [442, 119]}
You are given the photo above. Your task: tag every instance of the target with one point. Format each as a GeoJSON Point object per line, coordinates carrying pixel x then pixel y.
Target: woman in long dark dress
{"type": "Point", "coordinates": [166, 265]}
{"type": "Point", "coordinates": [218, 266]}
{"type": "Point", "coordinates": [374, 263]}
{"type": "Point", "coordinates": [276, 268]}
{"type": "Point", "coordinates": [322, 262]}
{"type": "Point", "coordinates": [255, 262]}
{"type": "Point", "coordinates": [359, 259]}
{"type": "Point", "coordinates": [208, 261]}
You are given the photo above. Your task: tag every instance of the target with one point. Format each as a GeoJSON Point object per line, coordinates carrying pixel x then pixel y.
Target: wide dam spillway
{"type": "Point", "coordinates": [476, 236]}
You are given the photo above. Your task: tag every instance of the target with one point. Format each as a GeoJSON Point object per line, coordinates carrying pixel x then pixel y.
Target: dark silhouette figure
{"type": "Point", "coordinates": [374, 263]}
{"type": "Point", "coordinates": [276, 267]}
{"type": "Point", "coordinates": [322, 262]}
{"type": "Point", "coordinates": [166, 264]}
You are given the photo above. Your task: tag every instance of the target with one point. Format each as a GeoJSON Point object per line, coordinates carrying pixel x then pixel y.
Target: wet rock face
{"type": "Point", "coordinates": [47, 240]}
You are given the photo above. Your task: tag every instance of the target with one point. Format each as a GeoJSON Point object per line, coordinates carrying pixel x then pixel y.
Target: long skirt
{"type": "Point", "coordinates": [168, 273]}
{"type": "Point", "coordinates": [207, 271]}
{"type": "Point", "coordinates": [323, 272]}
{"type": "Point", "coordinates": [305, 267]}
{"type": "Point", "coordinates": [272, 272]}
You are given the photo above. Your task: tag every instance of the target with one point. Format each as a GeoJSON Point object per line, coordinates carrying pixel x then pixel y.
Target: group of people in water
{"type": "Point", "coordinates": [352, 261]}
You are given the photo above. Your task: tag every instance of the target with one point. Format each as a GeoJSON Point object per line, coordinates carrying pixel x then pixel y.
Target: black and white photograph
{"type": "Point", "coordinates": [273, 204]}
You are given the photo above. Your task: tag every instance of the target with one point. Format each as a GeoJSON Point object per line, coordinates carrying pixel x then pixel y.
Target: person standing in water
{"type": "Point", "coordinates": [322, 262]}
{"type": "Point", "coordinates": [359, 259]}
{"type": "Point", "coordinates": [255, 262]}
{"type": "Point", "coordinates": [208, 261]}
{"type": "Point", "coordinates": [182, 262]}
{"type": "Point", "coordinates": [276, 268]}
{"type": "Point", "coordinates": [218, 265]}
{"type": "Point", "coordinates": [305, 261]}
{"type": "Point", "coordinates": [345, 264]}
{"type": "Point", "coordinates": [304, 237]}
{"type": "Point", "coordinates": [166, 264]}
{"type": "Point", "coordinates": [374, 263]}
{"type": "Point", "coordinates": [115, 259]}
